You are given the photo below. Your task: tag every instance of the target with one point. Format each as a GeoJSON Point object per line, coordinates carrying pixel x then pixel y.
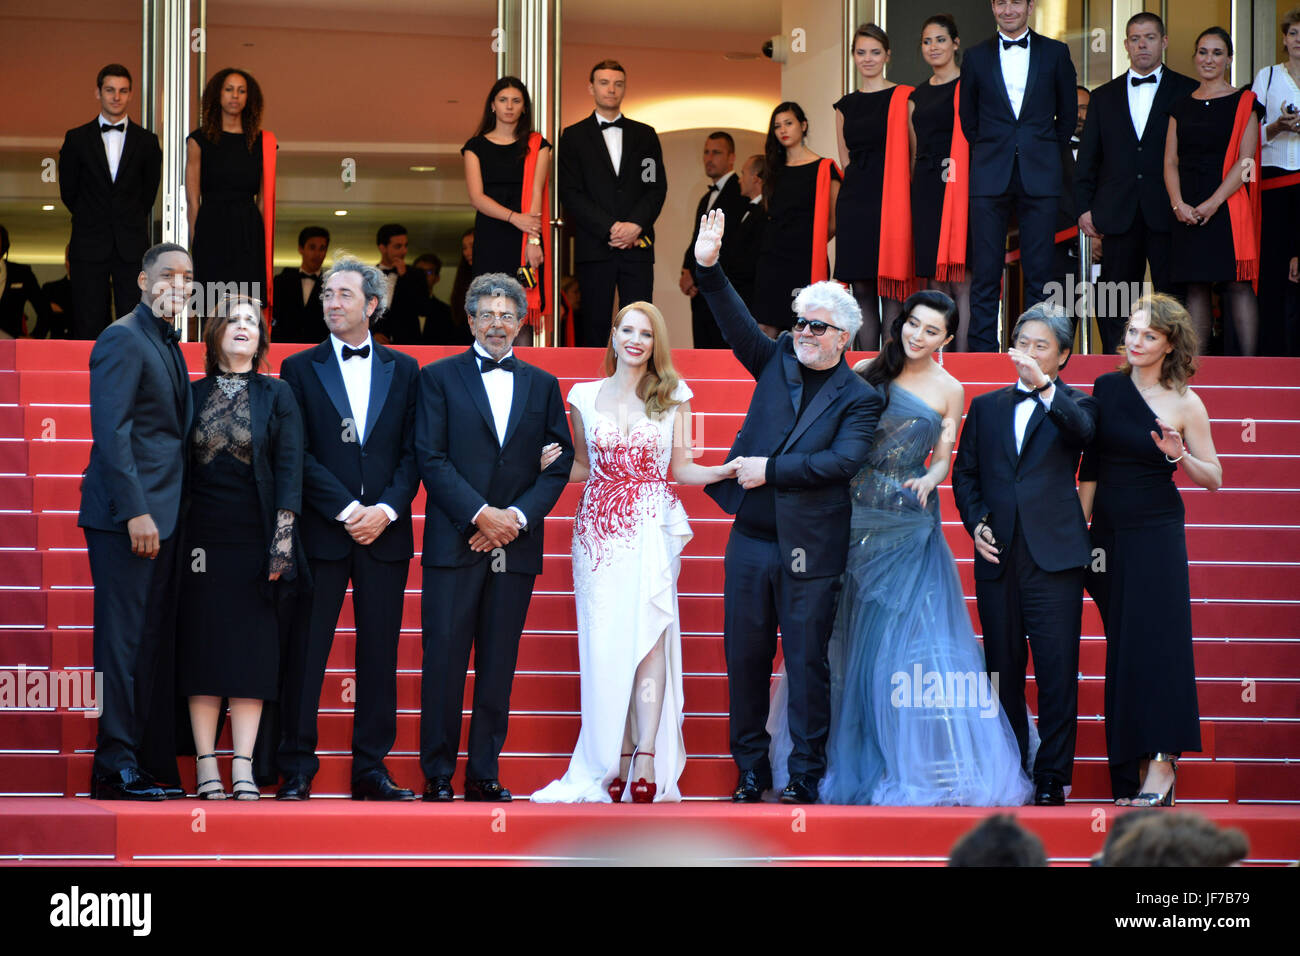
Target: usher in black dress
{"type": "Point", "coordinates": [229, 238]}
{"type": "Point", "coordinates": [498, 244]}
{"type": "Point", "coordinates": [785, 261]}
{"type": "Point", "coordinates": [932, 118]}
{"type": "Point", "coordinates": [857, 211]}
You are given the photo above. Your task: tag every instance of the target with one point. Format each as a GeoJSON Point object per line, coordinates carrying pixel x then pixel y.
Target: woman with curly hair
{"type": "Point", "coordinates": [1149, 424]}
{"type": "Point", "coordinates": [225, 187]}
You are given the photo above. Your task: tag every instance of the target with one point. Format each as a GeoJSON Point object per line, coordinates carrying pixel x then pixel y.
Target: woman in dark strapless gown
{"type": "Point", "coordinates": [1149, 424]}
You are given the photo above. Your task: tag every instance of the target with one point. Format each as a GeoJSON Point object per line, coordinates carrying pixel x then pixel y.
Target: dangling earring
{"type": "Point", "coordinates": [939, 355]}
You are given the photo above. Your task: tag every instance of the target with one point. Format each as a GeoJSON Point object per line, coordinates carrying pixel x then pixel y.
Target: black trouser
{"type": "Point", "coordinates": [989, 216]}
{"type": "Point", "coordinates": [1124, 258]}
{"type": "Point", "coordinates": [91, 310]}
{"type": "Point", "coordinates": [632, 278]}
{"type": "Point", "coordinates": [704, 328]}
{"type": "Point", "coordinates": [377, 593]}
{"type": "Point", "coordinates": [760, 595]}
{"type": "Point", "coordinates": [1046, 606]}
{"type": "Point", "coordinates": [135, 651]}
{"type": "Point", "coordinates": [1279, 298]}
{"type": "Point", "coordinates": [462, 608]}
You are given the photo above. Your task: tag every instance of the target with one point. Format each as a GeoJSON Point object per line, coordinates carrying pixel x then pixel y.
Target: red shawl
{"type": "Point", "coordinates": [268, 213]}
{"type": "Point", "coordinates": [896, 269]}
{"type": "Point", "coordinates": [1243, 205]}
{"type": "Point", "coordinates": [538, 305]}
{"type": "Point", "coordinates": [822, 221]}
{"type": "Point", "coordinates": [950, 263]}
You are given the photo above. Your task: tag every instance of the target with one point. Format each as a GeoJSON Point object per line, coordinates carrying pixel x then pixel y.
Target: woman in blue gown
{"type": "Point", "coordinates": [915, 721]}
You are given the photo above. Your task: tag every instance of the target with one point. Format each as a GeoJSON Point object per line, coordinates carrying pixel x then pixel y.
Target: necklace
{"type": "Point", "coordinates": [232, 384]}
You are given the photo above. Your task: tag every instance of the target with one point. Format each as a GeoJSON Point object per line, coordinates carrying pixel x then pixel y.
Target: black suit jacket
{"type": "Point", "coordinates": [813, 455]}
{"type": "Point", "coordinates": [20, 288]}
{"type": "Point", "coordinates": [1034, 489]}
{"type": "Point", "coordinates": [401, 320]}
{"type": "Point", "coordinates": [140, 409]}
{"type": "Point", "coordinates": [109, 217]}
{"type": "Point", "coordinates": [1117, 175]}
{"type": "Point", "coordinates": [295, 322]}
{"type": "Point", "coordinates": [595, 198]}
{"type": "Point", "coordinates": [745, 236]}
{"type": "Point", "coordinates": [337, 469]}
{"type": "Point", "coordinates": [1047, 117]}
{"type": "Point", "coordinates": [464, 466]}
{"type": "Point", "coordinates": [732, 204]}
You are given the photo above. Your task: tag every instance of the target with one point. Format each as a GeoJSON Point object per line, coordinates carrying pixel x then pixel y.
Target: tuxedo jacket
{"type": "Point", "coordinates": [294, 321]}
{"type": "Point", "coordinates": [1118, 175]}
{"type": "Point", "coordinates": [812, 456]}
{"type": "Point", "coordinates": [1033, 491]}
{"type": "Point", "coordinates": [20, 288]}
{"type": "Point", "coordinates": [1041, 133]}
{"type": "Point", "coordinates": [140, 410]}
{"type": "Point", "coordinates": [401, 320]}
{"type": "Point", "coordinates": [465, 467]}
{"type": "Point", "coordinates": [732, 204]}
{"type": "Point", "coordinates": [338, 469]}
{"type": "Point", "coordinates": [745, 236]}
{"type": "Point", "coordinates": [595, 197]}
{"type": "Point", "coordinates": [110, 217]}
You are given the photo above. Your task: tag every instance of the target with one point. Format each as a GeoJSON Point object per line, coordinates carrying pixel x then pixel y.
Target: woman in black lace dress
{"type": "Point", "coordinates": [245, 491]}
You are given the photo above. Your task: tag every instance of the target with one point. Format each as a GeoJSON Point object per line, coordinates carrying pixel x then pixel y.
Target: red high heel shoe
{"type": "Point", "coordinates": [616, 787]}
{"type": "Point", "coordinates": [643, 792]}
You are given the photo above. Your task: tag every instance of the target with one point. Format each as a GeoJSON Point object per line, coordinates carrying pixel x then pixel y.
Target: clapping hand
{"type": "Point", "coordinates": [708, 244]}
{"type": "Point", "coordinates": [1168, 440]}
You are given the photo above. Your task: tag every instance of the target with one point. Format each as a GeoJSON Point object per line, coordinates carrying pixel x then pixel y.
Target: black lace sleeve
{"type": "Point", "coordinates": [282, 559]}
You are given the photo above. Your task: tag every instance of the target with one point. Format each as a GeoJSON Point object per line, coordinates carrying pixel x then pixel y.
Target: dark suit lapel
{"type": "Point", "coordinates": [995, 47]}
{"type": "Point", "coordinates": [518, 398]}
{"type": "Point", "coordinates": [1159, 103]}
{"type": "Point", "coordinates": [1035, 419]}
{"type": "Point", "coordinates": [1007, 423]}
{"type": "Point", "coordinates": [95, 143]}
{"type": "Point", "coordinates": [130, 143]}
{"type": "Point", "coordinates": [326, 366]}
{"type": "Point", "coordinates": [593, 125]}
{"type": "Point", "coordinates": [149, 329]}
{"type": "Point", "coordinates": [1035, 65]}
{"type": "Point", "coordinates": [381, 377]}
{"type": "Point", "coordinates": [473, 379]}
{"type": "Point", "coordinates": [793, 380]}
{"type": "Point", "coordinates": [821, 401]}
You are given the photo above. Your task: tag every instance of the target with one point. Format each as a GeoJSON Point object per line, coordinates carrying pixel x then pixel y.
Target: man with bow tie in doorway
{"type": "Point", "coordinates": [400, 322]}
{"type": "Point", "coordinates": [358, 407]}
{"type": "Point", "coordinates": [109, 171]}
{"type": "Point", "coordinates": [298, 313]}
{"type": "Point", "coordinates": [723, 193]}
{"type": "Point", "coordinates": [612, 186]}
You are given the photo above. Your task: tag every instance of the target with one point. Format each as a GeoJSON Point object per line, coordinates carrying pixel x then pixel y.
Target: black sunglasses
{"type": "Point", "coordinates": [816, 326]}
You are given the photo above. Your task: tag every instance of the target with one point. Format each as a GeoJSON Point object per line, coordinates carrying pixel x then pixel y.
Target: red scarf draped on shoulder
{"type": "Point", "coordinates": [896, 270]}
{"type": "Point", "coordinates": [950, 263]}
{"type": "Point", "coordinates": [1243, 205]}
{"type": "Point", "coordinates": [822, 221]}
{"type": "Point", "coordinates": [268, 214]}
{"type": "Point", "coordinates": [539, 308]}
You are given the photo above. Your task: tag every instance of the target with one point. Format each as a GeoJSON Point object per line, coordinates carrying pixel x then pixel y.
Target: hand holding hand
{"type": "Point", "coordinates": [144, 536]}
{"type": "Point", "coordinates": [708, 244]}
{"type": "Point", "coordinates": [921, 487]}
{"type": "Point", "coordinates": [729, 470]}
{"type": "Point", "coordinates": [529, 222]}
{"type": "Point", "coordinates": [1168, 441]}
{"type": "Point", "coordinates": [366, 524]}
{"type": "Point", "coordinates": [1186, 214]}
{"type": "Point", "coordinates": [1205, 211]}
{"type": "Point", "coordinates": [751, 472]}
{"type": "Point", "coordinates": [497, 527]}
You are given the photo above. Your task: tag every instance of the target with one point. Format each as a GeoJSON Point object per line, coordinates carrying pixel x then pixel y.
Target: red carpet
{"type": "Point", "coordinates": [1243, 541]}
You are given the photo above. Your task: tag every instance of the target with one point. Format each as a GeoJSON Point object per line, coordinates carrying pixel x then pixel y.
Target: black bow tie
{"type": "Point", "coordinates": [1139, 80]}
{"type": "Point", "coordinates": [172, 334]}
{"type": "Point", "coordinates": [1020, 395]}
{"type": "Point", "coordinates": [349, 351]}
{"type": "Point", "coordinates": [389, 272]}
{"type": "Point", "coordinates": [119, 128]}
{"type": "Point", "coordinates": [606, 124]}
{"type": "Point", "coordinates": [486, 365]}
{"type": "Point", "coordinates": [1023, 43]}
{"type": "Point", "coordinates": [713, 188]}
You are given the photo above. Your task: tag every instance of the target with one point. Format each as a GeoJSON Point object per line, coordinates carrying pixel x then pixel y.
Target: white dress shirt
{"type": "Point", "coordinates": [1025, 410]}
{"type": "Point", "coordinates": [113, 143]}
{"type": "Point", "coordinates": [1141, 97]}
{"type": "Point", "coordinates": [1015, 70]}
{"type": "Point", "coordinates": [1282, 150]}
{"type": "Point", "coordinates": [613, 141]}
{"type": "Point", "coordinates": [500, 387]}
{"type": "Point", "coordinates": [356, 380]}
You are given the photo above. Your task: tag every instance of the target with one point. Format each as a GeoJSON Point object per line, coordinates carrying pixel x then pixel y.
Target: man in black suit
{"type": "Point", "coordinates": [18, 287]}
{"type": "Point", "coordinates": [436, 327]}
{"type": "Point", "coordinates": [747, 232]}
{"type": "Point", "coordinates": [1119, 183]}
{"type": "Point", "coordinates": [109, 170]}
{"type": "Point", "coordinates": [298, 314]}
{"type": "Point", "coordinates": [612, 185]}
{"type": "Point", "coordinates": [358, 407]}
{"type": "Point", "coordinates": [399, 324]}
{"type": "Point", "coordinates": [140, 410]}
{"type": "Point", "coordinates": [807, 432]}
{"type": "Point", "coordinates": [484, 416]}
{"type": "Point", "coordinates": [723, 193]}
{"type": "Point", "coordinates": [58, 293]}
{"type": "Point", "coordinates": [1018, 112]}
{"type": "Point", "coordinates": [1013, 481]}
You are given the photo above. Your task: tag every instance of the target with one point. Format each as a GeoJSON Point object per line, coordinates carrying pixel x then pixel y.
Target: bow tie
{"type": "Point", "coordinates": [713, 188]}
{"type": "Point", "coordinates": [1023, 43]}
{"type": "Point", "coordinates": [1020, 395]}
{"type": "Point", "coordinates": [172, 334]}
{"type": "Point", "coordinates": [606, 124]}
{"type": "Point", "coordinates": [1139, 80]}
{"type": "Point", "coordinates": [389, 272]}
{"type": "Point", "coordinates": [486, 365]}
{"type": "Point", "coordinates": [119, 128]}
{"type": "Point", "coordinates": [349, 351]}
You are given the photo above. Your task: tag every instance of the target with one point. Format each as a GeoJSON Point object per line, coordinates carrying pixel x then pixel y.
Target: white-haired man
{"type": "Point", "coordinates": [807, 432]}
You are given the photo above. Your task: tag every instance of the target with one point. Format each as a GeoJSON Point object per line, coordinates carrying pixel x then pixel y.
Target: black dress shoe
{"type": "Point", "coordinates": [296, 787]}
{"type": "Point", "coordinates": [1049, 795]}
{"type": "Point", "coordinates": [379, 786]}
{"type": "Point", "coordinates": [801, 789]}
{"type": "Point", "coordinates": [439, 789]}
{"type": "Point", "coordinates": [750, 786]}
{"type": "Point", "coordinates": [128, 784]}
{"type": "Point", "coordinates": [489, 791]}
